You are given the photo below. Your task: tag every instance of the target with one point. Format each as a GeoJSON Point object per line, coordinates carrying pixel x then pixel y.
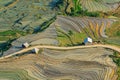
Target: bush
{"type": "Point", "coordinates": [77, 10]}
{"type": "Point", "coordinates": [55, 4]}
{"type": "Point", "coordinates": [93, 14]}
{"type": "Point", "coordinates": [114, 30]}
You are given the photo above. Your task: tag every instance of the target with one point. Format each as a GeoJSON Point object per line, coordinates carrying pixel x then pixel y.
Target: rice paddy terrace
{"type": "Point", "coordinates": [24, 14]}
{"type": "Point", "coordinates": [58, 64]}
{"type": "Point", "coordinates": [100, 5]}
{"type": "Point", "coordinates": [70, 29]}
{"type": "Point", "coordinates": [4, 4]}
{"type": "Point", "coordinates": [93, 63]}
{"type": "Point", "coordinates": [93, 27]}
{"type": "Point", "coordinates": [76, 64]}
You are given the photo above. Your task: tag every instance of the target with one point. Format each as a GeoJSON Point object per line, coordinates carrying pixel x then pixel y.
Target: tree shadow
{"type": "Point", "coordinates": [54, 4]}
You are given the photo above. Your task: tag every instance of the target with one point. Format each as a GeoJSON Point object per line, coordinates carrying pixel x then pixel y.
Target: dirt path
{"type": "Point", "coordinates": [63, 48]}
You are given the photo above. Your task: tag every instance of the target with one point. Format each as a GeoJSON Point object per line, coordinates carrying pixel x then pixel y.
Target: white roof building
{"type": "Point", "coordinates": [88, 40]}
{"type": "Point", "coordinates": [25, 45]}
{"type": "Point", "coordinates": [35, 50]}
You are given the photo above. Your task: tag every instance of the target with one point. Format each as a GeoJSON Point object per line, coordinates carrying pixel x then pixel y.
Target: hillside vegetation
{"type": "Point", "coordinates": [116, 59]}
{"type": "Point", "coordinates": [114, 34]}
{"type": "Point", "coordinates": [92, 63]}
{"type": "Point", "coordinates": [74, 30]}
{"type": "Point", "coordinates": [59, 23]}
{"type": "Point", "coordinates": [94, 8]}
{"type": "Point", "coordinates": [4, 3]}
{"type": "Point", "coordinates": [95, 5]}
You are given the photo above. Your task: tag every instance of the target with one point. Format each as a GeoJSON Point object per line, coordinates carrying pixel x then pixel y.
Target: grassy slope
{"type": "Point", "coordinates": [4, 2]}
{"type": "Point", "coordinates": [70, 38]}
{"type": "Point", "coordinates": [114, 34]}
{"type": "Point", "coordinates": [116, 59]}
{"type": "Point", "coordinates": [11, 34]}
{"type": "Point", "coordinates": [7, 37]}
{"type": "Point", "coordinates": [92, 5]}
{"type": "Point", "coordinates": [15, 75]}
{"type": "Point", "coordinates": [114, 39]}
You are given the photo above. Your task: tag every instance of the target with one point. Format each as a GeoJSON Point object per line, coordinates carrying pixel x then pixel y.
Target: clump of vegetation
{"type": "Point", "coordinates": [55, 4]}
{"type": "Point", "coordinates": [5, 46]}
{"type": "Point", "coordinates": [74, 8]}
{"type": "Point", "coordinates": [77, 10]}
{"type": "Point", "coordinates": [45, 25]}
{"type": "Point", "coordinates": [114, 34]}
{"type": "Point", "coordinates": [7, 4]}
{"type": "Point", "coordinates": [114, 30]}
{"type": "Point", "coordinates": [116, 59]}
{"type": "Point", "coordinates": [15, 74]}
{"type": "Point", "coordinates": [11, 34]}
{"type": "Point", "coordinates": [7, 37]}
{"type": "Point", "coordinates": [70, 38]}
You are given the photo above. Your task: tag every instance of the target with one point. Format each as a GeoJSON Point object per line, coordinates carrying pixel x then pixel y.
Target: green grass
{"type": "Point", "coordinates": [118, 72]}
{"type": "Point", "coordinates": [45, 24]}
{"type": "Point", "coordinates": [6, 2]}
{"type": "Point", "coordinates": [112, 41]}
{"type": "Point", "coordinates": [70, 38]}
{"type": "Point", "coordinates": [4, 38]}
{"type": "Point", "coordinates": [114, 30]}
{"type": "Point", "coordinates": [11, 34]}
{"type": "Point", "coordinates": [114, 34]}
{"type": "Point", "coordinates": [63, 40]}
{"type": "Point", "coordinates": [7, 37]}
{"type": "Point", "coordinates": [15, 75]}
{"type": "Point", "coordinates": [116, 59]}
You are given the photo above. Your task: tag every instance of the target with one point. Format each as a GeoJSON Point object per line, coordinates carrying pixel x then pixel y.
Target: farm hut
{"type": "Point", "coordinates": [88, 40]}
{"type": "Point", "coordinates": [35, 50]}
{"type": "Point", "coordinates": [25, 45]}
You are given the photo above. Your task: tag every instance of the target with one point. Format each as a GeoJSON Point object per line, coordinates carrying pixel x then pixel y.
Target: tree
{"type": "Point", "coordinates": [70, 32]}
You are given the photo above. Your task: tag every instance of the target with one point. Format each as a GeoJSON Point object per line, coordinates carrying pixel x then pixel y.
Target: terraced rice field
{"type": "Point", "coordinates": [92, 64]}
{"type": "Point", "coordinates": [100, 5]}
{"type": "Point", "coordinates": [93, 27]}
{"type": "Point", "coordinates": [47, 37]}
{"type": "Point", "coordinates": [14, 74]}
{"type": "Point", "coordinates": [49, 64]}
{"type": "Point", "coordinates": [81, 27]}
{"type": "Point", "coordinates": [3, 3]}
{"type": "Point", "coordinates": [24, 14]}
{"type": "Point", "coordinates": [111, 1]}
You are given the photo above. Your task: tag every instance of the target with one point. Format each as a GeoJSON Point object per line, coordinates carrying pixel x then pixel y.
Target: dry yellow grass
{"type": "Point", "coordinates": [101, 29]}
{"type": "Point", "coordinates": [94, 30]}
{"type": "Point", "coordinates": [91, 29]}
{"type": "Point", "coordinates": [108, 24]}
{"type": "Point", "coordinates": [97, 29]}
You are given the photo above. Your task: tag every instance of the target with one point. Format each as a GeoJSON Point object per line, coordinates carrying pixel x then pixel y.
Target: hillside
{"type": "Point", "coordinates": [92, 63]}
{"type": "Point", "coordinates": [21, 17]}
{"type": "Point", "coordinates": [62, 26]}
{"type": "Point", "coordinates": [93, 5]}
{"type": "Point", "coordinates": [25, 15]}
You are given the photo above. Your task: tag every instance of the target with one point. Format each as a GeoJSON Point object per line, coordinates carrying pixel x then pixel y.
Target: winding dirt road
{"type": "Point", "coordinates": [62, 48]}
